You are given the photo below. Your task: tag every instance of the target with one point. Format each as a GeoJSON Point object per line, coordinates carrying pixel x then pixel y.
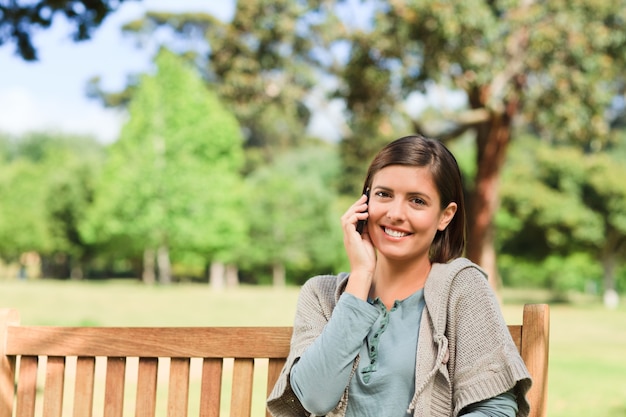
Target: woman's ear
{"type": "Point", "coordinates": [446, 216]}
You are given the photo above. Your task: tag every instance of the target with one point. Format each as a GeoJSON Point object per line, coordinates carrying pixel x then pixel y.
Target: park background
{"type": "Point", "coordinates": [248, 135]}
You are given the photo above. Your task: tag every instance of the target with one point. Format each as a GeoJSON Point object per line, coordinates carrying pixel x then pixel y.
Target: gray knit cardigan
{"type": "Point", "coordinates": [465, 352]}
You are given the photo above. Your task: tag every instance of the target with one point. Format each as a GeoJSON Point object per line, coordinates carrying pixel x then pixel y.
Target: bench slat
{"type": "Point", "coordinates": [83, 390]}
{"type": "Point", "coordinates": [53, 389]}
{"type": "Point", "coordinates": [145, 404]}
{"type": "Point", "coordinates": [27, 386]}
{"type": "Point", "coordinates": [516, 335]}
{"type": "Point", "coordinates": [241, 399]}
{"type": "Point", "coordinates": [273, 372]}
{"type": "Point", "coordinates": [210, 388]}
{"type": "Point", "coordinates": [114, 387]}
{"type": "Point", "coordinates": [534, 350]}
{"type": "Point", "coordinates": [216, 342]}
{"type": "Point", "coordinates": [178, 394]}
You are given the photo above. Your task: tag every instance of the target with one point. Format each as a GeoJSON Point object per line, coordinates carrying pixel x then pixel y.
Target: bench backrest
{"type": "Point", "coordinates": [70, 371]}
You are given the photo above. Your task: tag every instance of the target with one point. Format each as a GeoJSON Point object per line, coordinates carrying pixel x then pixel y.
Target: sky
{"type": "Point", "coordinates": [49, 94]}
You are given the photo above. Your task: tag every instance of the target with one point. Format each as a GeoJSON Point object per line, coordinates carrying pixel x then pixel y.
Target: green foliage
{"type": "Point", "coordinates": [563, 58]}
{"type": "Point", "coordinates": [543, 186]}
{"type": "Point", "coordinates": [464, 150]}
{"type": "Point", "coordinates": [560, 210]}
{"type": "Point", "coordinates": [620, 284]}
{"type": "Point", "coordinates": [357, 151]}
{"type": "Point", "coordinates": [260, 64]}
{"type": "Point", "coordinates": [43, 204]}
{"type": "Point", "coordinates": [292, 216]}
{"type": "Point", "coordinates": [561, 274]}
{"type": "Point", "coordinates": [69, 192]}
{"type": "Point", "coordinates": [173, 178]}
{"type": "Point", "coordinates": [23, 224]}
{"type": "Point", "coordinates": [574, 198]}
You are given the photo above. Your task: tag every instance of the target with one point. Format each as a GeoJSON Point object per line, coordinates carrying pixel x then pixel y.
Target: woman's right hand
{"type": "Point", "coordinates": [359, 248]}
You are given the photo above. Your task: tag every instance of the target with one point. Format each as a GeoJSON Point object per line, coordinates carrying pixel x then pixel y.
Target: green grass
{"type": "Point", "coordinates": [587, 375]}
{"type": "Point", "coordinates": [130, 303]}
{"type": "Point", "coordinates": [587, 371]}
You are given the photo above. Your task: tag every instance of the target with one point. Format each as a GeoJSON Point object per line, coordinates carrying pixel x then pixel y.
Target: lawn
{"type": "Point", "coordinates": [587, 375]}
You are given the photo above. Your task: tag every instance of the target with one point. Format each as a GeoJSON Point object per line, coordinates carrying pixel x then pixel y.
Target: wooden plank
{"type": "Point", "coordinates": [114, 387]}
{"type": "Point", "coordinates": [178, 392]}
{"type": "Point", "coordinates": [210, 388]}
{"type": "Point", "coordinates": [83, 389]}
{"type": "Point", "coordinates": [53, 388]}
{"type": "Point", "coordinates": [27, 386]}
{"type": "Point", "coordinates": [534, 351]}
{"type": "Point", "coordinates": [145, 405]}
{"type": "Point", "coordinates": [516, 334]}
{"type": "Point", "coordinates": [241, 398]}
{"type": "Point", "coordinates": [8, 317]}
{"type": "Point", "coordinates": [273, 372]}
{"type": "Point", "coordinates": [200, 342]}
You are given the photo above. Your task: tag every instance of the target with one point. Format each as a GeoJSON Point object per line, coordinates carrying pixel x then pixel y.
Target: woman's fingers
{"type": "Point", "coordinates": [356, 212]}
{"type": "Point", "coordinates": [359, 248]}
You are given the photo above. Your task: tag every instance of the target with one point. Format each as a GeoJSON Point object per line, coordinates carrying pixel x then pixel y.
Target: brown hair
{"type": "Point", "coordinates": [419, 151]}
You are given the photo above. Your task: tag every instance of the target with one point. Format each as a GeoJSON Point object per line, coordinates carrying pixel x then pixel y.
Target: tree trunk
{"type": "Point", "coordinates": [76, 269]}
{"type": "Point", "coordinates": [76, 273]}
{"type": "Point", "coordinates": [217, 276]}
{"type": "Point", "coordinates": [165, 266]}
{"type": "Point", "coordinates": [232, 276]}
{"type": "Point", "coordinates": [611, 298]}
{"type": "Point", "coordinates": [279, 279]}
{"type": "Point", "coordinates": [148, 275]}
{"type": "Point", "coordinates": [492, 139]}
{"type": "Point", "coordinates": [609, 264]}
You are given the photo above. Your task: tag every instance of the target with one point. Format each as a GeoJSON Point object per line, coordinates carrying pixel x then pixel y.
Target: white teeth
{"type": "Point", "coordinates": [394, 233]}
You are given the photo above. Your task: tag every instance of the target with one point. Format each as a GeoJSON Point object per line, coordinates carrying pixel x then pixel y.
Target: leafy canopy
{"type": "Point", "coordinates": [173, 177]}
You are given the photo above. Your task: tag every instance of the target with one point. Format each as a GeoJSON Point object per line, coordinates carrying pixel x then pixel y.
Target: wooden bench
{"type": "Point", "coordinates": [40, 367]}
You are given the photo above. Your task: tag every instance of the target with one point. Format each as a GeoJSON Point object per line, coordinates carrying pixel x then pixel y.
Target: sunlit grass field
{"type": "Point", "coordinates": [587, 375]}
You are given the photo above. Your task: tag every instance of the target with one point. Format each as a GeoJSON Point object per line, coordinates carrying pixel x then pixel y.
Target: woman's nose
{"type": "Point", "coordinates": [395, 211]}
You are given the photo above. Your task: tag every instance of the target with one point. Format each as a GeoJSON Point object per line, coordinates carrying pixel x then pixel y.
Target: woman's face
{"type": "Point", "coordinates": [405, 212]}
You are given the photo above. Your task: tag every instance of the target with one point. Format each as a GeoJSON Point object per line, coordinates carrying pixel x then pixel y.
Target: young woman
{"type": "Point", "coordinates": [414, 329]}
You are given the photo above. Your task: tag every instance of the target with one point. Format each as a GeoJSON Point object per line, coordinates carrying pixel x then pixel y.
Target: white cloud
{"type": "Point", "coordinates": [22, 112]}
{"type": "Point", "coordinates": [16, 105]}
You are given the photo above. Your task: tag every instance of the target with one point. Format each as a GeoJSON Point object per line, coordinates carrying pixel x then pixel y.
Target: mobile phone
{"type": "Point", "coordinates": [360, 225]}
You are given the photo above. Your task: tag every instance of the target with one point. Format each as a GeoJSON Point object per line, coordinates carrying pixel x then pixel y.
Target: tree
{"type": "Point", "coordinates": [555, 65]}
{"type": "Point", "coordinates": [563, 207]}
{"type": "Point", "coordinates": [20, 19]}
{"type": "Point", "coordinates": [69, 192]}
{"type": "Point", "coordinates": [23, 225]}
{"type": "Point", "coordinates": [172, 183]}
{"type": "Point", "coordinates": [42, 204]}
{"type": "Point", "coordinates": [295, 226]}
{"type": "Point", "coordinates": [262, 65]}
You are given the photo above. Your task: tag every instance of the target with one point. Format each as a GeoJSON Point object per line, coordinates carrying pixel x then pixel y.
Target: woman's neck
{"type": "Point", "coordinates": [398, 281]}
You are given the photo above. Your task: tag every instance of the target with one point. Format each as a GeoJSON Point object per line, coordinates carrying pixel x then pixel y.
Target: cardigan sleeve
{"type": "Point", "coordinates": [320, 377]}
{"type": "Point", "coordinates": [484, 359]}
{"type": "Point", "coordinates": [313, 310]}
{"type": "Point", "coordinates": [503, 405]}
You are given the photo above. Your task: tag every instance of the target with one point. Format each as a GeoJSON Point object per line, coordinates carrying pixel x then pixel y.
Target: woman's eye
{"type": "Point", "coordinates": [418, 201]}
{"type": "Point", "coordinates": [382, 194]}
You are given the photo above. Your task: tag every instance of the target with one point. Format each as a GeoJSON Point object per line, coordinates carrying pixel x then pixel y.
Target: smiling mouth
{"type": "Point", "coordinates": [394, 233]}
